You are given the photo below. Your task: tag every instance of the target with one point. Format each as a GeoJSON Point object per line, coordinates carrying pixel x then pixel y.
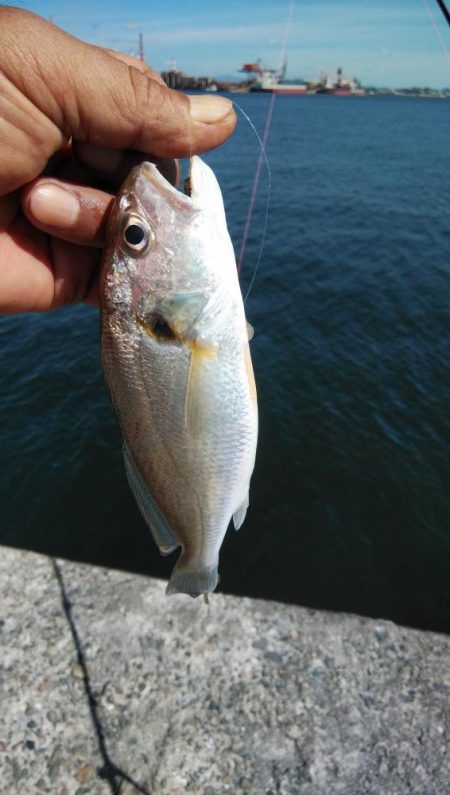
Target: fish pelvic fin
{"type": "Point", "coordinates": [161, 532]}
{"type": "Point", "coordinates": [193, 581]}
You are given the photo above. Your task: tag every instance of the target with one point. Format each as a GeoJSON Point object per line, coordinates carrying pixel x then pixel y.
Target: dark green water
{"type": "Point", "coordinates": [350, 501]}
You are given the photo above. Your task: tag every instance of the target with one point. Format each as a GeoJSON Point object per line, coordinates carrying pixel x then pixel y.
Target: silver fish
{"type": "Point", "coordinates": [177, 364]}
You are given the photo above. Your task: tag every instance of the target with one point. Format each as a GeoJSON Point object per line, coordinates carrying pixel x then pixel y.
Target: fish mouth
{"type": "Point", "coordinates": [201, 192]}
{"type": "Point", "coordinates": [152, 176]}
{"type": "Point", "coordinates": [145, 186]}
{"type": "Point", "coordinates": [199, 186]}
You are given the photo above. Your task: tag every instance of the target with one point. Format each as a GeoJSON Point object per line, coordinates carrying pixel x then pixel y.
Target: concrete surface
{"type": "Point", "coordinates": [108, 686]}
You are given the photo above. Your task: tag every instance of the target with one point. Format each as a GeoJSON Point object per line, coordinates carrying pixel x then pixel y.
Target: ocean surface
{"type": "Point", "coordinates": [350, 499]}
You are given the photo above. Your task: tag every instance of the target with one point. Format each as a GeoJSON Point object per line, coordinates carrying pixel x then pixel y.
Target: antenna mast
{"type": "Point", "coordinates": [141, 48]}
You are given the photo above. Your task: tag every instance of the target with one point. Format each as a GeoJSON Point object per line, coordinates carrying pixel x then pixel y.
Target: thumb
{"type": "Point", "coordinates": [87, 93]}
{"type": "Point", "coordinates": [118, 104]}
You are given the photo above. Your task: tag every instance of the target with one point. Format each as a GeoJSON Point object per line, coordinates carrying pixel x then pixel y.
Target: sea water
{"type": "Point", "coordinates": [350, 499]}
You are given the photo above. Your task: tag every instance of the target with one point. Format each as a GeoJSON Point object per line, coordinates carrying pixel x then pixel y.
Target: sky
{"type": "Point", "coordinates": [393, 43]}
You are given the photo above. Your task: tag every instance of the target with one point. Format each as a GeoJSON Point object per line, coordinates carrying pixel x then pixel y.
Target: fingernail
{"type": "Point", "coordinates": [54, 206]}
{"type": "Point", "coordinates": [209, 109]}
{"type": "Point", "coordinates": [98, 158]}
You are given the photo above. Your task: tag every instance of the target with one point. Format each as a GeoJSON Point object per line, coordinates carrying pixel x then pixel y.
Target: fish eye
{"type": "Point", "coordinates": [136, 234]}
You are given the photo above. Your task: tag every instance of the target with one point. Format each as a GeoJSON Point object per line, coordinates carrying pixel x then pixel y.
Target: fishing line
{"type": "Point", "coordinates": [262, 158]}
{"type": "Point", "coordinates": [187, 179]}
{"type": "Point", "coordinates": [435, 25]}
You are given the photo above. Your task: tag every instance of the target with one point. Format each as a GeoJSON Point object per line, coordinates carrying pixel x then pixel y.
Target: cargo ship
{"type": "Point", "coordinates": [337, 84]}
{"type": "Point", "coordinates": [270, 80]}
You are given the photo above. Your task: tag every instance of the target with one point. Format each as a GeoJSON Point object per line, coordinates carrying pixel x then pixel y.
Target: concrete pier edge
{"type": "Point", "coordinates": [108, 686]}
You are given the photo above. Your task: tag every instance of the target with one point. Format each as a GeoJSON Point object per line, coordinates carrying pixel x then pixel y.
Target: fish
{"type": "Point", "coordinates": [177, 364]}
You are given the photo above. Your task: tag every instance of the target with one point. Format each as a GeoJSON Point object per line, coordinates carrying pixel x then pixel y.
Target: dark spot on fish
{"type": "Point", "coordinates": [156, 325]}
{"type": "Point", "coordinates": [161, 329]}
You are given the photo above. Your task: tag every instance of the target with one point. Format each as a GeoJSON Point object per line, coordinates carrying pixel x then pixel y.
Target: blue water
{"type": "Point", "coordinates": [350, 500]}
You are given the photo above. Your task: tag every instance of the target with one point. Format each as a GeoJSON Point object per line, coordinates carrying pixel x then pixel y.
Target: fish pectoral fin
{"type": "Point", "coordinates": [196, 404]}
{"type": "Point", "coordinates": [161, 532]}
{"type": "Point", "coordinates": [250, 331]}
{"type": "Point", "coordinates": [239, 515]}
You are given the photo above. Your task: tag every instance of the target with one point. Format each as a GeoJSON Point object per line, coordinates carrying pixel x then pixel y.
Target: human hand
{"type": "Point", "coordinates": [73, 120]}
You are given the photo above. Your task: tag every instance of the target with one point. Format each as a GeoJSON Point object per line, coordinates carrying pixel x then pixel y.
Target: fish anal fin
{"type": "Point", "coordinates": [161, 532]}
{"type": "Point", "coordinates": [239, 515]}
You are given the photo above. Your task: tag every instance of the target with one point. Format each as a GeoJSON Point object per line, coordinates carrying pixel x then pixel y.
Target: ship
{"type": "Point", "coordinates": [337, 84]}
{"type": "Point", "coordinates": [270, 80]}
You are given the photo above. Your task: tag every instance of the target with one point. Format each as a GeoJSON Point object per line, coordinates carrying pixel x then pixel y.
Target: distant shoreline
{"type": "Point", "coordinates": [368, 92]}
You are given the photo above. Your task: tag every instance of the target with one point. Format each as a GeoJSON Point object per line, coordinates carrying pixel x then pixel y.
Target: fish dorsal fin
{"type": "Point", "coordinates": [161, 532]}
{"type": "Point", "coordinates": [239, 515]}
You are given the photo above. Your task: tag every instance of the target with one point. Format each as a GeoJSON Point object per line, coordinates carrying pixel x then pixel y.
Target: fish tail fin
{"type": "Point", "coordinates": [193, 581]}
